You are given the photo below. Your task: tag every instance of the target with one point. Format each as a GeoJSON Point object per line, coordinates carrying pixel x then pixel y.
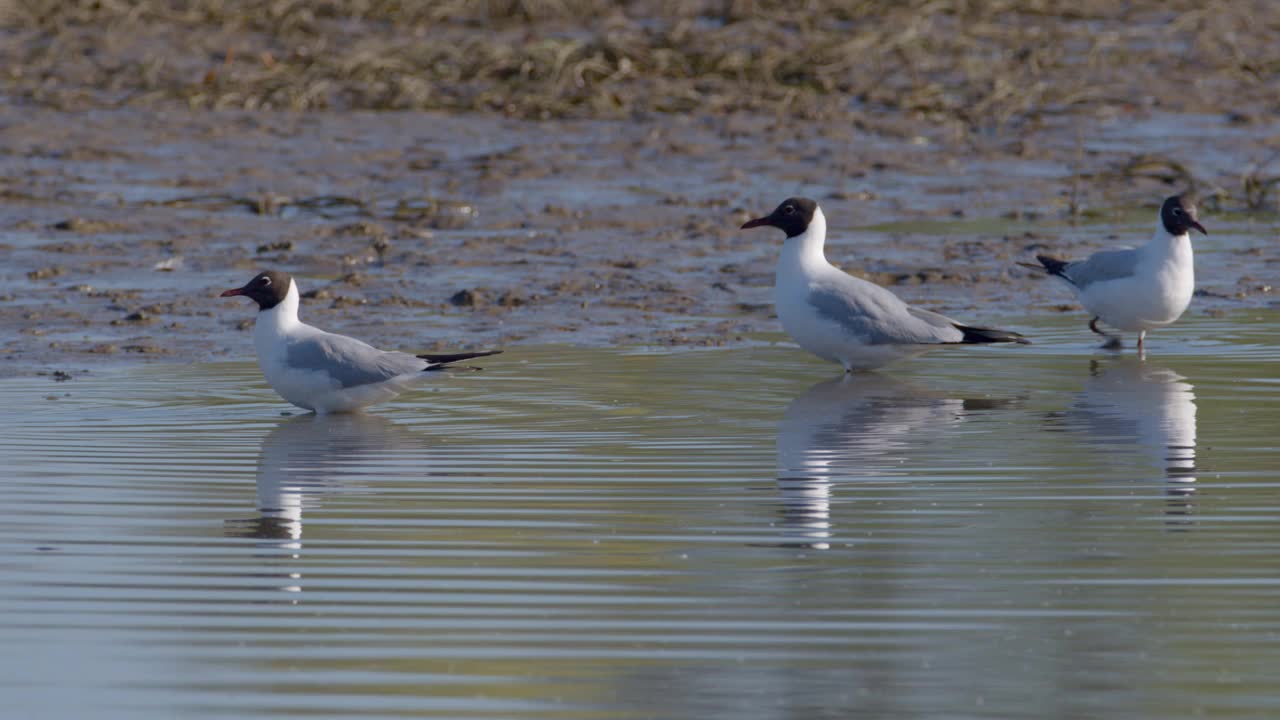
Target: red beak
{"type": "Point", "coordinates": [1199, 227]}
{"type": "Point", "coordinates": [232, 292]}
{"type": "Point", "coordinates": [755, 223]}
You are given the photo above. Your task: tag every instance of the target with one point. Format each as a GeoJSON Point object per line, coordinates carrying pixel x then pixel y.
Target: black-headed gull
{"type": "Point", "coordinates": [321, 371]}
{"type": "Point", "coordinates": [845, 319]}
{"type": "Point", "coordinates": [1136, 289]}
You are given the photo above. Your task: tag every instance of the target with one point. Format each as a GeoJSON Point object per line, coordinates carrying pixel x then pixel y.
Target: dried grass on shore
{"type": "Point", "coordinates": [972, 66]}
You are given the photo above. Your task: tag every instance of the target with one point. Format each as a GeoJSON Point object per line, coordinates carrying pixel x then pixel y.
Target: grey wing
{"type": "Point", "coordinates": [936, 320]}
{"type": "Point", "coordinates": [878, 317]}
{"type": "Point", "coordinates": [348, 361]}
{"type": "Point", "coordinates": [1102, 266]}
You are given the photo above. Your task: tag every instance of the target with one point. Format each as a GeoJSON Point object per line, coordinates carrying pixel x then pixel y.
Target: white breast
{"type": "Point", "coordinates": [1158, 292]}
{"type": "Point", "coordinates": [803, 266]}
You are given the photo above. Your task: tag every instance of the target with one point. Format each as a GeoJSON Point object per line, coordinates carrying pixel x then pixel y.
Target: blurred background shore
{"type": "Point", "coordinates": [575, 170]}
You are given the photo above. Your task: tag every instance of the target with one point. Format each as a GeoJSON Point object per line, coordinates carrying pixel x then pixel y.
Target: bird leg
{"type": "Point", "coordinates": [1113, 341]}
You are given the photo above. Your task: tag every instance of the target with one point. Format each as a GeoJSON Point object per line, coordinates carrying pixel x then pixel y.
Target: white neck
{"type": "Point", "coordinates": [282, 317]}
{"type": "Point", "coordinates": [1164, 244]}
{"type": "Point", "coordinates": [803, 253]}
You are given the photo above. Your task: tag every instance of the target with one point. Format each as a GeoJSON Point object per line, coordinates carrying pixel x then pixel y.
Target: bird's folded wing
{"type": "Point", "coordinates": [877, 317]}
{"type": "Point", "coordinates": [349, 362]}
{"type": "Point", "coordinates": [1102, 266]}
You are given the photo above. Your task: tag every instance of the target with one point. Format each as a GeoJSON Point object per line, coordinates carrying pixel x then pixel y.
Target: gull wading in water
{"type": "Point", "coordinates": [1136, 289]}
{"type": "Point", "coordinates": [845, 319]}
{"type": "Point", "coordinates": [321, 371]}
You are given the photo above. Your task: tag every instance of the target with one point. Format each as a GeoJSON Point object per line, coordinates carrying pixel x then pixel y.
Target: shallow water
{"type": "Point", "coordinates": [995, 532]}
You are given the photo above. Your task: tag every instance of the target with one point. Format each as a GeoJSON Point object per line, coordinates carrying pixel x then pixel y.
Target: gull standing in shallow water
{"type": "Point", "coordinates": [321, 371]}
{"type": "Point", "coordinates": [1136, 289]}
{"type": "Point", "coordinates": [844, 319]}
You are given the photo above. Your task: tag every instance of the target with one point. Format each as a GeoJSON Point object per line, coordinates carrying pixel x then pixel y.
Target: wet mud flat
{"type": "Point", "coordinates": [544, 215]}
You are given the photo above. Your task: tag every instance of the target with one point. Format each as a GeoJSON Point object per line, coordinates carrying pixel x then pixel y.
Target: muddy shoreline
{"type": "Point", "coordinates": [428, 231]}
{"type": "Point", "coordinates": [423, 229]}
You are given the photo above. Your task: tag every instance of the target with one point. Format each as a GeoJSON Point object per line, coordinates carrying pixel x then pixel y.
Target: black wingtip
{"type": "Point", "coordinates": [981, 335]}
{"type": "Point", "coordinates": [438, 362]}
{"type": "Point", "coordinates": [1053, 265]}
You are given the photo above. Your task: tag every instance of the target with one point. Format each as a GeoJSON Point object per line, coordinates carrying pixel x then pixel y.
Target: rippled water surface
{"type": "Point", "coordinates": [1035, 532]}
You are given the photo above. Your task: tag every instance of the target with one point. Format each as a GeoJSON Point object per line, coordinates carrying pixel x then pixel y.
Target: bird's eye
{"type": "Point", "coordinates": [788, 209]}
{"type": "Point", "coordinates": [265, 281]}
{"type": "Point", "coordinates": [1177, 211]}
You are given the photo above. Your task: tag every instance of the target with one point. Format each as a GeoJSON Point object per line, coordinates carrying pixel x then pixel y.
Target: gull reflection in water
{"type": "Point", "coordinates": [304, 458]}
{"type": "Point", "coordinates": [1132, 402]}
{"type": "Point", "coordinates": [861, 425]}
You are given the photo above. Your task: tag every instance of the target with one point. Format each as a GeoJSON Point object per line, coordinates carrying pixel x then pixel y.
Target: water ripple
{"type": "Point", "coordinates": [699, 534]}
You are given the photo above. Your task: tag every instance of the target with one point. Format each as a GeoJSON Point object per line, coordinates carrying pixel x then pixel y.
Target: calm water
{"type": "Point", "coordinates": [1047, 531]}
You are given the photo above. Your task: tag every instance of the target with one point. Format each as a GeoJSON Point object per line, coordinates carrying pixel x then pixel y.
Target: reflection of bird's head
{"type": "Point", "coordinates": [265, 527]}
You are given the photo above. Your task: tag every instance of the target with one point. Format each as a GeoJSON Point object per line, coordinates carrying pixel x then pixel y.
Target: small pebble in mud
{"type": "Point", "coordinates": [280, 246]}
{"type": "Point", "coordinates": [512, 298]}
{"type": "Point", "coordinates": [1201, 292]}
{"type": "Point", "coordinates": [559, 211]}
{"type": "Point", "coordinates": [82, 225]}
{"type": "Point", "coordinates": [364, 229]}
{"type": "Point", "coordinates": [464, 298]}
{"type": "Point", "coordinates": [45, 273]}
{"type": "Point", "coordinates": [436, 214]}
{"type": "Point", "coordinates": [400, 301]}
{"type": "Point", "coordinates": [146, 349]}
{"type": "Point", "coordinates": [343, 301]}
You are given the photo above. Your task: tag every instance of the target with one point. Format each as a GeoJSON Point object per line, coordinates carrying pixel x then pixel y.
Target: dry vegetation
{"type": "Point", "coordinates": [969, 65]}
